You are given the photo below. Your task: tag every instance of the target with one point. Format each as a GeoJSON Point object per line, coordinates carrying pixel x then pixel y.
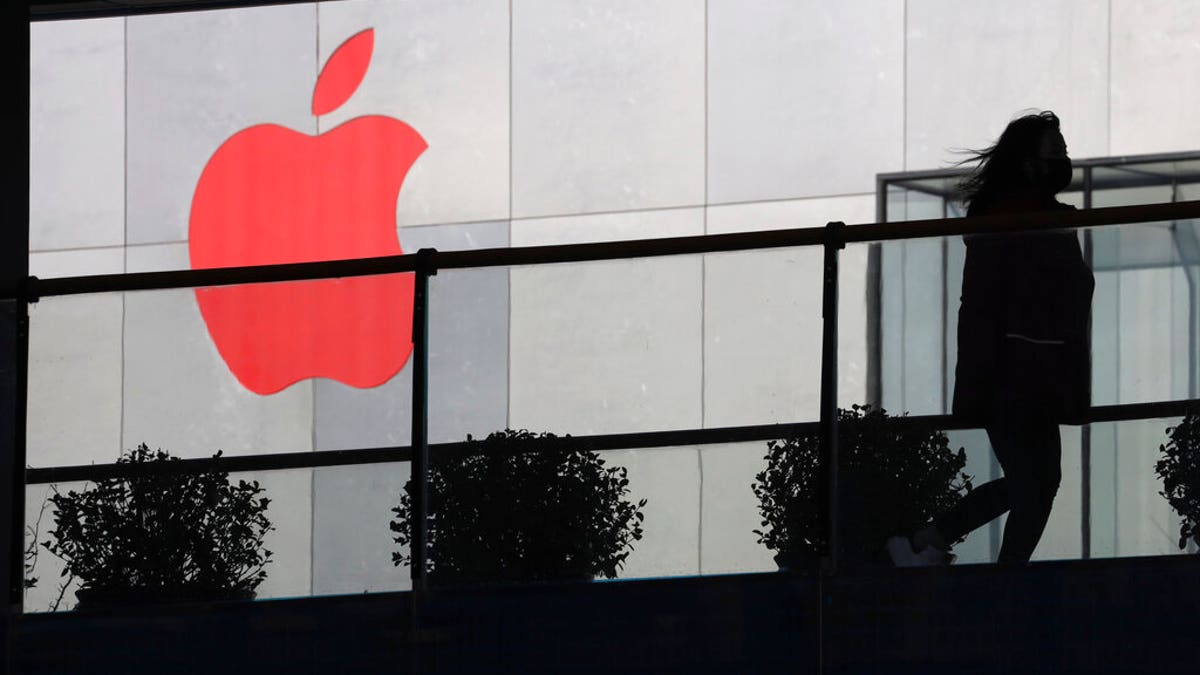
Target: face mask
{"type": "Point", "coordinates": [1057, 175]}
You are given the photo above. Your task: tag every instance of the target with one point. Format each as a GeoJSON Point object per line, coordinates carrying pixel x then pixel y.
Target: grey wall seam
{"type": "Point", "coordinates": [508, 328]}
{"type": "Point", "coordinates": [703, 304]}
{"type": "Point", "coordinates": [1109, 79]}
{"type": "Point", "coordinates": [125, 218]}
{"type": "Point", "coordinates": [904, 88]}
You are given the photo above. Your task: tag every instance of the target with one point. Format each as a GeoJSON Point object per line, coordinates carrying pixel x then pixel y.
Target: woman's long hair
{"type": "Point", "coordinates": [1001, 167]}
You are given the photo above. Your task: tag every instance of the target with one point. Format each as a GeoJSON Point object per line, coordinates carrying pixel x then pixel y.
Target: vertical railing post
{"type": "Point", "coordinates": [834, 242]}
{"type": "Point", "coordinates": [14, 320]}
{"type": "Point", "coordinates": [426, 267]}
{"type": "Point", "coordinates": [14, 347]}
{"type": "Point", "coordinates": [1085, 431]}
{"type": "Point", "coordinates": [14, 358]}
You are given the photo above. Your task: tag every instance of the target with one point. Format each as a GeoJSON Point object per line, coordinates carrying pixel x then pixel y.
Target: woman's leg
{"type": "Point", "coordinates": [976, 509]}
{"type": "Point", "coordinates": [1029, 449]}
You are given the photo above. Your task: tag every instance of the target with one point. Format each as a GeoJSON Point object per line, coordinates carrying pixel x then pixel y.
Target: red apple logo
{"type": "Point", "coordinates": [274, 195]}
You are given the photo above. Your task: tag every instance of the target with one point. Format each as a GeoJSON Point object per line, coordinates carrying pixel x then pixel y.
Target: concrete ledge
{"type": "Point", "coordinates": [1118, 616]}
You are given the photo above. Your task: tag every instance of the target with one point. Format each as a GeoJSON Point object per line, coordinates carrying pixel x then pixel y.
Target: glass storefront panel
{"type": "Point", "coordinates": [606, 347]}
{"type": "Point", "coordinates": [289, 571]}
{"type": "Point", "coordinates": [914, 322]}
{"type": "Point", "coordinates": [332, 532]}
{"type": "Point", "coordinates": [1129, 515]}
{"type": "Point", "coordinates": [250, 369]}
{"type": "Point", "coordinates": [352, 541]}
{"type": "Point", "coordinates": [762, 336]}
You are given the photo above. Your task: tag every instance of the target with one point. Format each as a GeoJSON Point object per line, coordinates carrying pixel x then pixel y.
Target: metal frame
{"type": "Point", "coordinates": [908, 179]}
{"type": "Point", "coordinates": [834, 242]}
{"type": "Point", "coordinates": [833, 237]}
{"type": "Point", "coordinates": [645, 440]}
{"type": "Point", "coordinates": [420, 417]}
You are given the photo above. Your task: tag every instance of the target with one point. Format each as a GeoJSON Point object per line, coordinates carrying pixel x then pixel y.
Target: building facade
{"type": "Point", "coordinates": [553, 122]}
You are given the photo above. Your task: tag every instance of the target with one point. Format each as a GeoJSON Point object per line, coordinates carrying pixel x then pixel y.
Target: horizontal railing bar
{"type": "Point", "coordinates": [1125, 412]}
{"type": "Point", "coordinates": [614, 250]}
{"type": "Point", "coordinates": [221, 276]}
{"type": "Point", "coordinates": [951, 190]}
{"type": "Point", "coordinates": [630, 248]}
{"type": "Point", "coordinates": [262, 462]}
{"type": "Point", "coordinates": [1117, 161]}
{"type": "Point", "coordinates": [50, 10]}
{"type": "Point", "coordinates": [625, 441]}
{"type": "Point", "coordinates": [327, 458]}
{"type": "Point", "coordinates": [1022, 222]}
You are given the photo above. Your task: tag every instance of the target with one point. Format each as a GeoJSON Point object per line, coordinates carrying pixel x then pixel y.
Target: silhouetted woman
{"type": "Point", "coordinates": [1023, 357]}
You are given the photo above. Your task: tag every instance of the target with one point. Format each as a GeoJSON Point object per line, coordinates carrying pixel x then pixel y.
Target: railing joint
{"type": "Point", "coordinates": [32, 289]}
{"type": "Point", "coordinates": [835, 234]}
{"type": "Point", "coordinates": [427, 261]}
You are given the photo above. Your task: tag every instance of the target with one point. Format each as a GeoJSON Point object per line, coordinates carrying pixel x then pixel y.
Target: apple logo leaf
{"type": "Point", "coordinates": [343, 72]}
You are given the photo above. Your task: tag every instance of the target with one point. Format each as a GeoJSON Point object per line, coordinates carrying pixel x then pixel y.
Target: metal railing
{"type": "Point", "coordinates": [427, 262]}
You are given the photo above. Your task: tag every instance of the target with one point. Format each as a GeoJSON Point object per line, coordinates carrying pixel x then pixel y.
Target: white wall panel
{"type": "Point", "coordinates": [1155, 64]}
{"type": "Point", "coordinates": [74, 414]}
{"type": "Point", "coordinates": [441, 67]}
{"type": "Point", "coordinates": [79, 261]}
{"type": "Point", "coordinates": [1063, 536]}
{"type": "Point", "coordinates": [77, 134]}
{"type": "Point", "coordinates": [608, 346]}
{"type": "Point", "coordinates": [47, 568]}
{"type": "Point", "coordinates": [669, 480]}
{"type": "Point", "coordinates": [608, 227]}
{"type": "Point", "coordinates": [762, 317]}
{"type": "Point", "coordinates": [180, 395]}
{"type": "Point", "coordinates": [194, 80]}
{"type": "Point", "coordinates": [608, 105]}
{"type": "Point", "coordinates": [291, 514]}
{"type": "Point", "coordinates": [973, 66]}
{"type": "Point", "coordinates": [804, 98]}
{"type": "Point", "coordinates": [352, 543]}
{"type": "Point", "coordinates": [778, 215]}
{"type": "Point", "coordinates": [731, 510]}
{"type": "Point", "coordinates": [762, 336]}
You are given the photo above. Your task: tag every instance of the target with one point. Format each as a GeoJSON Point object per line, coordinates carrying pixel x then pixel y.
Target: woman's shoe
{"type": "Point", "coordinates": [901, 551]}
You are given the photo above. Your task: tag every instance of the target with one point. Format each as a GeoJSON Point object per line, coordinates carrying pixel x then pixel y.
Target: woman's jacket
{"type": "Point", "coordinates": [1024, 324]}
